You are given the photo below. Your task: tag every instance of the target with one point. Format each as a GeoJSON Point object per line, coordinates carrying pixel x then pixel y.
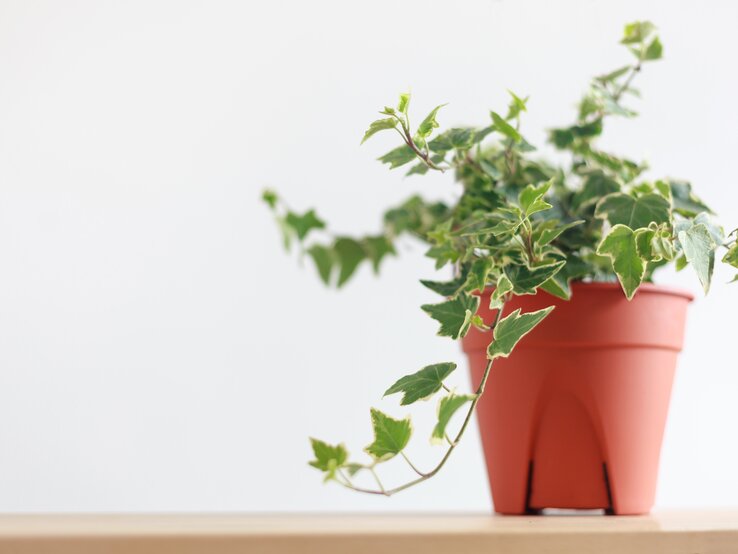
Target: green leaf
{"type": "Point", "coordinates": [379, 125]}
{"type": "Point", "coordinates": [531, 198]}
{"type": "Point", "coordinates": [328, 458]}
{"type": "Point", "coordinates": [654, 51]}
{"type": "Point", "coordinates": [613, 75]}
{"type": "Point", "coordinates": [699, 250]}
{"type": "Point", "coordinates": [548, 235]}
{"type": "Point", "coordinates": [596, 186]}
{"type": "Point", "coordinates": [350, 254]}
{"type": "Point", "coordinates": [270, 197]}
{"type": "Point", "coordinates": [478, 273]}
{"type": "Point", "coordinates": [503, 287]}
{"type": "Point", "coordinates": [517, 105]}
{"type": "Point", "coordinates": [398, 157]}
{"type": "Point", "coordinates": [421, 384]}
{"type": "Point", "coordinates": [526, 280]}
{"type": "Point", "coordinates": [558, 286]}
{"type": "Point", "coordinates": [636, 32]}
{"type": "Point", "coordinates": [429, 123]}
{"type": "Point", "coordinates": [303, 224]}
{"type": "Point", "coordinates": [390, 435]}
{"type": "Point", "coordinates": [731, 256]}
{"type": "Point", "coordinates": [448, 288]}
{"type": "Point", "coordinates": [624, 209]}
{"type": "Point", "coordinates": [447, 407]}
{"type": "Point", "coordinates": [324, 261]}
{"type": "Point", "coordinates": [620, 246]}
{"type": "Point", "coordinates": [454, 315]}
{"type": "Point", "coordinates": [404, 102]}
{"type": "Point", "coordinates": [511, 329]}
{"type": "Point", "coordinates": [377, 249]}
{"type": "Point", "coordinates": [505, 128]}
{"type": "Point", "coordinates": [685, 202]}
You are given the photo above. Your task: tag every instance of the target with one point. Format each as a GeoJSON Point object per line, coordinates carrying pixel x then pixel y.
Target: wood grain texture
{"type": "Point", "coordinates": [673, 533]}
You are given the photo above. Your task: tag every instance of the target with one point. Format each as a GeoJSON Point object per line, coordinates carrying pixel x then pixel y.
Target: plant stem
{"type": "Point", "coordinates": [452, 444]}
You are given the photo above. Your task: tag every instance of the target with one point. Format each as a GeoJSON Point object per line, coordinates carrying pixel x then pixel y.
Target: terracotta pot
{"type": "Point", "coordinates": [574, 418]}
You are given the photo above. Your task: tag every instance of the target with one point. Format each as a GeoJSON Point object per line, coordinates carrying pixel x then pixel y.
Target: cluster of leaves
{"type": "Point", "coordinates": [520, 225]}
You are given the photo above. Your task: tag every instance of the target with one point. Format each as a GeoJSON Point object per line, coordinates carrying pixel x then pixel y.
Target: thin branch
{"type": "Point", "coordinates": [452, 443]}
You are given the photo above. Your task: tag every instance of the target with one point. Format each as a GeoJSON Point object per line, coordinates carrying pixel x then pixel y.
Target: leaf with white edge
{"type": "Point", "coordinates": [447, 407]}
{"type": "Point", "coordinates": [429, 123]}
{"type": "Point", "coordinates": [558, 286]}
{"type": "Point", "coordinates": [454, 315]}
{"type": "Point", "coordinates": [716, 230]}
{"type": "Point", "coordinates": [511, 329]}
{"type": "Point", "coordinates": [624, 209]}
{"type": "Point", "coordinates": [350, 253]}
{"type": "Point", "coordinates": [547, 236]}
{"type": "Point", "coordinates": [421, 384]}
{"type": "Point", "coordinates": [503, 287]}
{"type": "Point", "coordinates": [505, 128]}
{"type": "Point", "coordinates": [448, 288]}
{"type": "Point", "coordinates": [390, 436]}
{"type": "Point", "coordinates": [303, 224]}
{"type": "Point", "coordinates": [478, 274]}
{"type": "Point", "coordinates": [398, 157]}
{"type": "Point", "coordinates": [379, 125]}
{"type": "Point", "coordinates": [699, 250]}
{"type": "Point", "coordinates": [404, 102]}
{"type": "Point", "coordinates": [517, 105]}
{"type": "Point", "coordinates": [324, 261]}
{"type": "Point", "coordinates": [620, 246]}
{"type": "Point", "coordinates": [328, 458]}
{"type": "Point", "coordinates": [526, 280]}
{"type": "Point", "coordinates": [531, 198]}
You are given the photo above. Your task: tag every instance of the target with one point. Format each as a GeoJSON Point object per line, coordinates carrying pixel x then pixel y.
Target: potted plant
{"type": "Point", "coordinates": [555, 264]}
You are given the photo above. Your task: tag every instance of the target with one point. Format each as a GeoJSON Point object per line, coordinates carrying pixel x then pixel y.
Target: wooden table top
{"type": "Point", "coordinates": [686, 532]}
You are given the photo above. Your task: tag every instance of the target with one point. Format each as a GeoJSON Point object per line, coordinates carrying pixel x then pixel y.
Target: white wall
{"type": "Point", "coordinates": [158, 351]}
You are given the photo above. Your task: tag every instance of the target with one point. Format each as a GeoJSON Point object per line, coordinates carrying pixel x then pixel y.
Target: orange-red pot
{"type": "Point", "coordinates": [574, 418]}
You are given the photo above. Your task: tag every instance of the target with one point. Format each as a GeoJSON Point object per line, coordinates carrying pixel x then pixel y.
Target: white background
{"type": "Point", "coordinates": [159, 351]}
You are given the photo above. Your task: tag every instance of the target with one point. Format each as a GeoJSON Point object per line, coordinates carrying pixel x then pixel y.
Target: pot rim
{"type": "Point", "coordinates": [644, 287]}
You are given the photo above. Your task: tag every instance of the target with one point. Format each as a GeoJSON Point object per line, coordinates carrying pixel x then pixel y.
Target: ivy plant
{"type": "Point", "coordinates": [520, 225]}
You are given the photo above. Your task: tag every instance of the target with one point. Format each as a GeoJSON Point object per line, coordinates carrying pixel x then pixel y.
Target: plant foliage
{"type": "Point", "coordinates": [520, 224]}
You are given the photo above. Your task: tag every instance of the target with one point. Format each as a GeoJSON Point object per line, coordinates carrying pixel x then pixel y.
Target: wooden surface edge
{"type": "Point", "coordinates": [672, 533]}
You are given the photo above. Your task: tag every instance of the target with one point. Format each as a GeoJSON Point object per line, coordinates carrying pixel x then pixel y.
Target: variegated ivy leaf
{"type": "Point", "coordinates": [699, 248]}
{"type": "Point", "coordinates": [448, 288]}
{"type": "Point", "coordinates": [503, 287]}
{"type": "Point", "coordinates": [558, 286]}
{"type": "Point", "coordinates": [398, 156]}
{"type": "Point", "coordinates": [511, 329]}
{"type": "Point", "coordinates": [390, 435]}
{"type": "Point", "coordinates": [447, 407]}
{"type": "Point", "coordinates": [429, 123]}
{"type": "Point", "coordinates": [620, 246]}
{"type": "Point", "coordinates": [421, 384]}
{"type": "Point", "coordinates": [526, 280]}
{"type": "Point", "coordinates": [404, 102]}
{"type": "Point", "coordinates": [684, 200]}
{"type": "Point", "coordinates": [478, 274]}
{"type": "Point", "coordinates": [328, 458]}
{"type": "Point", "coordinates": [636, 213]}
{"type": "Point", "coordinates": [379, 125]}
{"type": "Point", "coordinates": [531, 198]}
{"type": "Point", "coordinates": [550, 231]}
{"type": "Point", "coordinates": [505, 128]}
{"type": "Point", "coordinates": [454, 315]}
{"type": "Point", "coordinates": [377, 248]}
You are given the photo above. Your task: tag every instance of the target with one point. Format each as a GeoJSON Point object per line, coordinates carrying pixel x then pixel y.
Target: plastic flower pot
{"type": "Point", "coordinates": [575, 417]}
